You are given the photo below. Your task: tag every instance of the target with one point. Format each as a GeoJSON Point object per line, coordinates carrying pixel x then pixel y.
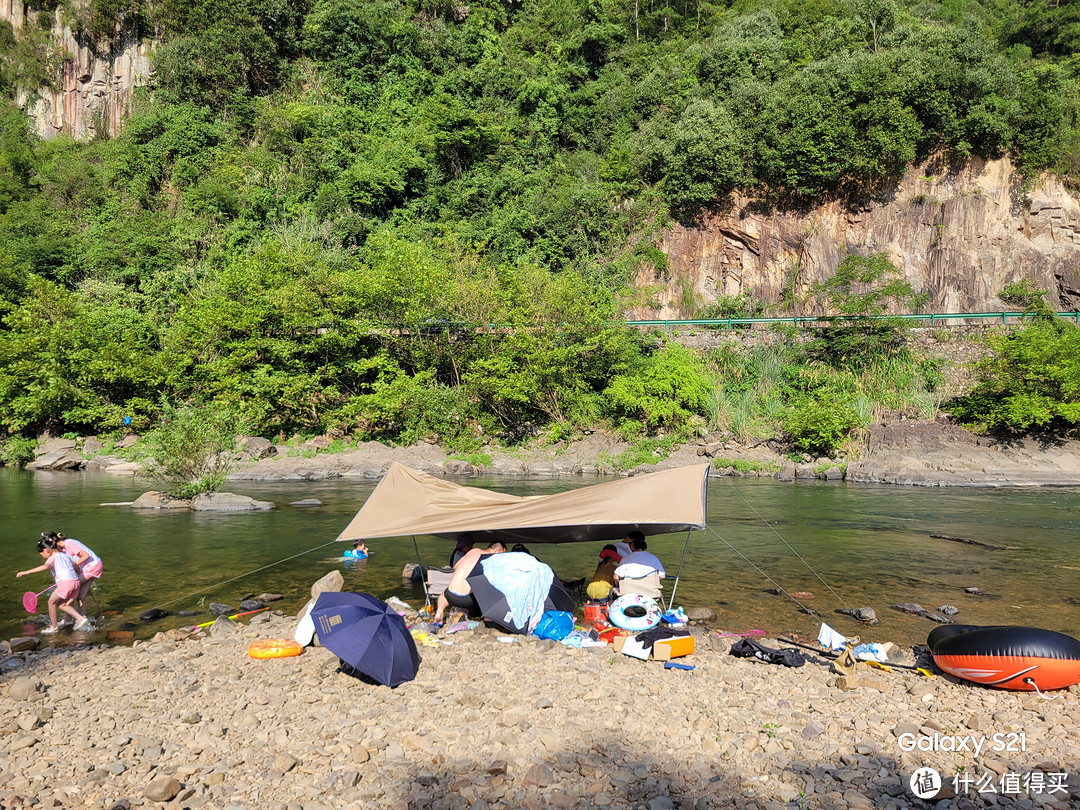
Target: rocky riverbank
{"type": "Point", "coordinates": [528, 724]}
{"type": "Point", "coordinates": [907, 452]}
{"type": "Point", "coordinates": [914, 453]}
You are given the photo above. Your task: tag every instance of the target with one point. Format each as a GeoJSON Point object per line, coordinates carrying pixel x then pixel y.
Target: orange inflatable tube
{"type": "Point", "coordinates": [274, 648]}
{"type": "Point", "coordinates": [1019, 658]}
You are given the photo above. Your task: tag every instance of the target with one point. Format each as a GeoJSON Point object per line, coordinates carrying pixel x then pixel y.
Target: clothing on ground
{"type": "Point", "coordinates": [748, 648]}
{"type": "Point", "coordinates": [650, 637]}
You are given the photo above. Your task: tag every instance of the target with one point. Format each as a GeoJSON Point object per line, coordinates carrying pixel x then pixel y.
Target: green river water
{"type": "Point", "coordinates": [870, 546]}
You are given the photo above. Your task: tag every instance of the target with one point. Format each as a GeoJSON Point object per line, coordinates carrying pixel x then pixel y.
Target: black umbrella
{"type": "Point", "coordinates": [367, 634]}
{"type": "Point", "coordinates": [495, 606]}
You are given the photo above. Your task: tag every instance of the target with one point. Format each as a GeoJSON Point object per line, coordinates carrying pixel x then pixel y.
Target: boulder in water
{"type": "Point", "coordinates": [227, 502]}
{"type": "Point", "coordinates": [159, 500]}
{"type": "Point", "coordinates": [251, 604]}
{"type": "Point", "coordinates": [153, 614]}
{"type": "Point", "coordinates": [221, 609]}
{"type": "Point", "coordinates": [701, 614]}
{"type": "Point", "coordinates": [912, 608]}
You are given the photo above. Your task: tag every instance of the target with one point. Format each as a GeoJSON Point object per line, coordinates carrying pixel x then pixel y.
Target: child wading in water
{"type": "Point", "coordinates": [67, 585]}
{"type": "Point", "coordinates": [88, 565]}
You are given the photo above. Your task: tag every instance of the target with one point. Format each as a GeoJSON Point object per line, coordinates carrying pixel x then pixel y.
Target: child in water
{"type": "Point", "coordinates": [359, 551]}
{"type": "Point", "coordinates": [86, 562]}
{"type": "Point", "coordinates": [67, 585]}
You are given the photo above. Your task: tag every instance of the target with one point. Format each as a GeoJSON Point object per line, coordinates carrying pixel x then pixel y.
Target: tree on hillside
{"type": "Point", "coordinates": [861, 291]}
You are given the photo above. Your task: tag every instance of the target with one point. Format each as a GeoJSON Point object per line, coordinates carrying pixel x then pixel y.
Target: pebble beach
{"type": "Point", "coordinates": [190, 721]}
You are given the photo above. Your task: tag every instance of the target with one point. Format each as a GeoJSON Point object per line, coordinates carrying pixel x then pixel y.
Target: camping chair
{"type": "Point", "coordinates": [650, 586]}
{"type": "Point", "coordinates": [437, 580]}
{"type": "Point", "coordinates": [576, 588]}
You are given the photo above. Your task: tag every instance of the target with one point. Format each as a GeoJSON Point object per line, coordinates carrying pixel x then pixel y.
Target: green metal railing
{"type": "Point", "coordinates": [801, 320]}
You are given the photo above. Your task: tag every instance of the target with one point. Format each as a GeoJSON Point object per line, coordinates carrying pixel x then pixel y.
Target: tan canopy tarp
{"type": "Point", "coordinates": [409, 502]}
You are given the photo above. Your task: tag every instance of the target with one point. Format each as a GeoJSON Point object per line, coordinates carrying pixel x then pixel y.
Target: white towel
{"type": "Point", "coordinates": [827, 637]}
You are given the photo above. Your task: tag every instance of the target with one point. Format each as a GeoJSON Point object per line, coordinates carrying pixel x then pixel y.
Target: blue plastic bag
{"type": "Point", "coordinates": [554, 624]}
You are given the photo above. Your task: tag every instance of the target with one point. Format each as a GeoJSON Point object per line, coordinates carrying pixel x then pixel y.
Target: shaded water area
{"type": "Point", "coordinates": [866, 545]}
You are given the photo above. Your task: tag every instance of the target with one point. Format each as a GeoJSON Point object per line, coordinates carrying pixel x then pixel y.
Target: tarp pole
{"type": "Point", "coordinates": [423, 577]}
{"type": "Point", "coordinates": [675, 587]}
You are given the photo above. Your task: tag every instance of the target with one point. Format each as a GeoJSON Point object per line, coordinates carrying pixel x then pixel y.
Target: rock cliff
{"type": "Point", "coordinates": [957, 234]}
{"type": "Point", "coordinates": [93, 86]}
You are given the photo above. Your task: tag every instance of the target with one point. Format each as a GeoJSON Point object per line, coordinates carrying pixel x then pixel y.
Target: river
{"type": "Point", "coordinates": [849, 545]}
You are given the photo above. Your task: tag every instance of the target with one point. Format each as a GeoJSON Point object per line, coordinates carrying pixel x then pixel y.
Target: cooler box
{"type": "Point", "coordinates": [662, 650]}
{"type": "Point", "coordinates": [595, 612]}
{"type": "Point", "coordinates": [673, 648]}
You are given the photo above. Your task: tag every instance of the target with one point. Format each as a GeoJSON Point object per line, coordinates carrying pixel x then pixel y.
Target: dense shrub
{"type": "Point", "coordinates": [1029, 384]}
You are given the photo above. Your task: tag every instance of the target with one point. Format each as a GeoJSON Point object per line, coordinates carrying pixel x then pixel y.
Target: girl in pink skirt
{"type": "Point", "coordinates": [88, 564]}
{"type": "Point", "coordinates": [67, 585]}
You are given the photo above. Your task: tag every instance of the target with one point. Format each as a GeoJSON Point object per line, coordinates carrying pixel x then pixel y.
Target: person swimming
{"type": "Point", "coordinates": [359, 551]}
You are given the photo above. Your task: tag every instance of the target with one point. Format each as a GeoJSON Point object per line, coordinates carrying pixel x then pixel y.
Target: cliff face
{"type": "Point", "coordinates": [957, 235]}
{"type": "Point", "coordinates": [95, 85]}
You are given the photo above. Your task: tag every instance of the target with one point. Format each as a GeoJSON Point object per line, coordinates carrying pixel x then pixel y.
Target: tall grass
{"type": "Point", "coordinates": [757, 392]}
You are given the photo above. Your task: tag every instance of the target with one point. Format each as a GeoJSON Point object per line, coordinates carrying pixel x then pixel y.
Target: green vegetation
{"type": "Point", "coordinates": [1030, 381]}
{"type": "Point", "coordinates": [1029, 384]}
{"type": "Point", "coordinates": [398, 219]}
{"type": "Point", "coordinates": [744, 466]}
{"type": "Point", "coordinates": [478, 460]}
{"type": "Point", "coordinates": [191, 451]}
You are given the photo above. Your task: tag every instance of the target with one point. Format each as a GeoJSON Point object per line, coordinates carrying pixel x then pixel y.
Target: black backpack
{"type": "Point", "coordinates": [748, 648]}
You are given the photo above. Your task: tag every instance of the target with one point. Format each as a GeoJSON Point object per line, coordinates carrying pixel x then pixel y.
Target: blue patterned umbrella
{"type": "Point", "coordinates": [368, 634]}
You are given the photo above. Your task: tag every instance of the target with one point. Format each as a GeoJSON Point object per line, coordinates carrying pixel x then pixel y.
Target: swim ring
{"type": "Point", "coordinates": [634, 612]}
{"type": "Point", "coordinates": [274, 648]}
{"type": "Point", "coordinates": [355, 554]}
{"type": "Point", "coordinates": [1019, 658]}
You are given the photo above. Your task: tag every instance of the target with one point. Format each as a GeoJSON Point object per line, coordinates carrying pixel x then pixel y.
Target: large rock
{"type": "Point", "coordinates": [23, 644]}
{"type": "Point", "coordinates": [701, 614]}
{"type": "Point", "coordinates": [24, 688]}
{"type": "Point", "coordinates": [224, 627]}
{"type": "Point", "coordinates": [113, 463]}
{"type": "Point", "coordinates": [162, 789]}
{"type": "Point", "coordinates": [959, 235]}
{"type": "Point", "coordinates": [64, 459]}
{"type": "Point", "coordinates": [333, 581]}
{"type": "Point", "coordinates": [52, 445]}
{"type": "Point", "coordinates": [124, 468]}
{"type": "Point", "coordinates": [937, 453]}
{"type": "Point", "coordinates": [456, 466]}
{"type": "Point", "coordinates": [257, 447]}
{"type": "Point", "coordinates": [159, 500]}
{"type": "Point", "coordinates": [228, 502]}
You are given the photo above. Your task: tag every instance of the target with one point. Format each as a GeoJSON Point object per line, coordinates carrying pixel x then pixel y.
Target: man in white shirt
{"type": "Point", "coordinates": [639, 571]}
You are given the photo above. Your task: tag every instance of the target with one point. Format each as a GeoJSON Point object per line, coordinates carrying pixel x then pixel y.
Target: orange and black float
{"type": "Point", "coordinates": [1021, 658]}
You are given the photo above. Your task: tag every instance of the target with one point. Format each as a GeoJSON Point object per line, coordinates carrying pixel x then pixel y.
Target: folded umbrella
{"type": "Point", "coordinates": [367, 634]}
